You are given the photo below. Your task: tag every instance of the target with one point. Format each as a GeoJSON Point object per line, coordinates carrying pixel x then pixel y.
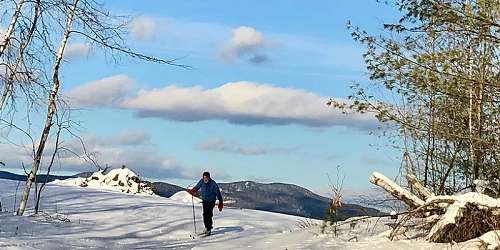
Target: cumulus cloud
{"type": "Point", "coordinates": [108, 91]}
{"type": "Point", "coordinates": [222, 145]}
{"type": "Point", "coordinates": [77, 50]}
{"type": "Point", "coordinates": [246, 103]}
{"type": "Point", "coordinates": [246, 43]}
{"type": "Point", "coordinates": [143, 28]}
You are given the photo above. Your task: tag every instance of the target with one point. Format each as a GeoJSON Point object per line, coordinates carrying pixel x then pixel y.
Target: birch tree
{"type": "Point", "coordinates": [10, 29]}
{"type": "Point", "coordinates": [51, 107]}
{"type": "Point", "coordinates": [32, 52]}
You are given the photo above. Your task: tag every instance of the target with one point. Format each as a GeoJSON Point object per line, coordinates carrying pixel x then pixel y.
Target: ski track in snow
{"type": "Point", "coordinates": [113, 220]}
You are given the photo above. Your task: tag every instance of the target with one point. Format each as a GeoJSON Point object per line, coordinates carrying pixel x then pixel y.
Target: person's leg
{"type": "Point", "coordinates": [206, 214]}
{"type": "Point", "coordinates": [210, 213]}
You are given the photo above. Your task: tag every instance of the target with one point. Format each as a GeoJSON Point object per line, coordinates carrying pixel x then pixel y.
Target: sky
{"type": "Point", "coordinates": [252, 106]}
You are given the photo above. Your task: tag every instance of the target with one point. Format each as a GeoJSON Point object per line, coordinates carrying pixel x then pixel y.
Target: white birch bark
{"type": "Point", "coordinates": [395, 190]}
{"type": "Point", "coordinates": [10, 29]}
{"type": "Point", "coordinates": [51, 109]}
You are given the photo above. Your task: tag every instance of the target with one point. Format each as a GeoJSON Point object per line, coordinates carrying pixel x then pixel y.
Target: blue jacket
{"type": "Point", "coordinates": [209, 191]}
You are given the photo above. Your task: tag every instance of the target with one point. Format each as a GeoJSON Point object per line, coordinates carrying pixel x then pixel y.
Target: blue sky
{"type": "Point", "coordinates": [247, 109]}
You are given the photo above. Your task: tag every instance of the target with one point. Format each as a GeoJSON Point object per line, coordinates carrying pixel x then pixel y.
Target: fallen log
{"type": "Point", "coordinates": [412, 180]}
{"type": "Point", "coordinates": [395, 190]}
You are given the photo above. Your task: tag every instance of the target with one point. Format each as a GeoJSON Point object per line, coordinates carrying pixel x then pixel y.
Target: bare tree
{"type": "Point", "coordinates": [51, 108]}
{"type": "Point", "coordinates": [10, 29]}
{"type": "Point", "coordinates": [35, 26]}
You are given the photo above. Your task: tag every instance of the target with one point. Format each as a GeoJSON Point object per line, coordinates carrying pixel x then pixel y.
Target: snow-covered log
{"type": "Point", "coordinates": [412, 180]}
{"type": "Point", "coordinates": [395, 190]}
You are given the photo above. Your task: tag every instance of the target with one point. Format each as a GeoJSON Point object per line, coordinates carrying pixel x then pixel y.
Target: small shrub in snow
{"type": "Point", "coordinates": [306, 223]}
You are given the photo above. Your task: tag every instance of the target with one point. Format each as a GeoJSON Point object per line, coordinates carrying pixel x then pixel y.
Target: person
{"type": "Point", "coordinates": [209, 192]}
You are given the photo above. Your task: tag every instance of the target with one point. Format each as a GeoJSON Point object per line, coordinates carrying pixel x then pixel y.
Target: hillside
{"type": "Point", "coordinates": [274, 197]}
{"type": "Point", "coordinates": [88, 218]}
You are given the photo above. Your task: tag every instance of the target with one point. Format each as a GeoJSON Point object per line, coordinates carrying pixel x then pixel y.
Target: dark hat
{"type": "Point", "coordinates": [207, 174]}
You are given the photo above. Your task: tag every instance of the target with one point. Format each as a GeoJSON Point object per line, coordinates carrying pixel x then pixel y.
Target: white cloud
{"type": "Point", "coordinates": [77, 50]}
{"type": "Point", "coordinates": [222, 145]}
{"type": "Point", "coordinates": [104, 92]}
{"type": "Point", "coordinates": [143, 28]}
{"type": "Point", "coordinates": [243, 103]}
{"type": "Point", "coordinates": [130, 137]}
{"type": "Point", "coordinates": [246, 43]}
{"type": "Point", "coordinates": [143, 160]}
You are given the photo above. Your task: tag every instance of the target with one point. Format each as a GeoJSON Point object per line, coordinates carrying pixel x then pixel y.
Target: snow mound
{"type": "Point", "coordinates": [121, 180]}
{"type": "Point", "coordinates": [184, 197]}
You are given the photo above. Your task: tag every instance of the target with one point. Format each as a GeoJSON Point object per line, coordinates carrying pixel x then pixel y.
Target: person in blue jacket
{"type": "Point", "coordinates": [209, 192]}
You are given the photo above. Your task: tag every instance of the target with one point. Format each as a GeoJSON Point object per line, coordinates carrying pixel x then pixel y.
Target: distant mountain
{"type": "Point", "coordinates": [83, 174]}
{"type": "Point", "coordinates": [273, 197]}
{"type": "Point", "coordinates": [287, 199]}
{"type": "Point", "coordinates": [40, 178]}
{"type": "Point", "coordinates": [165, 189]}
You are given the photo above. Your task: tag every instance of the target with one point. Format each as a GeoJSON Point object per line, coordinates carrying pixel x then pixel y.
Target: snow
{"type": "Point", "coordinates": [481, 185]}
{"type": "Point", "coordinates": [184, 197]}
{"type": "Point", "coordinates": [489, 241]}
{"type": "Point", "coordinates": [102, 219]}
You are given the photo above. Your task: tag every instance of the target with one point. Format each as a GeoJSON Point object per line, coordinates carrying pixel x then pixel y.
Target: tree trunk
{"type": "Point", "coordinates": [39, 195]}
{"type": "Point", "coordinates": [9, 81]}
{"type": "Point", "coordinates": [51, 109]}
{"type": "Point", "coordinates": [8, 33]}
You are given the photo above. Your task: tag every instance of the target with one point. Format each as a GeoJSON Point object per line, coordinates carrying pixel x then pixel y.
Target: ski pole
{"type": "Point", "coordinates": [194, 216]}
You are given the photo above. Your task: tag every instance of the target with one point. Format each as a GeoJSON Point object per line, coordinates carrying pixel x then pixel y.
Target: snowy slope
{"type": "Point", "coordinates": [114, 220]}
{"type": "Point", "coordinates": [184, 197]}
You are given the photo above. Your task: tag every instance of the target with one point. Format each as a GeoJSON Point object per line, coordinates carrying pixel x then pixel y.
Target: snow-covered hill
{"type": "Point", "coordinates": [84, 218]}
{"type": "Point", "coordinates": [184, 197]}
